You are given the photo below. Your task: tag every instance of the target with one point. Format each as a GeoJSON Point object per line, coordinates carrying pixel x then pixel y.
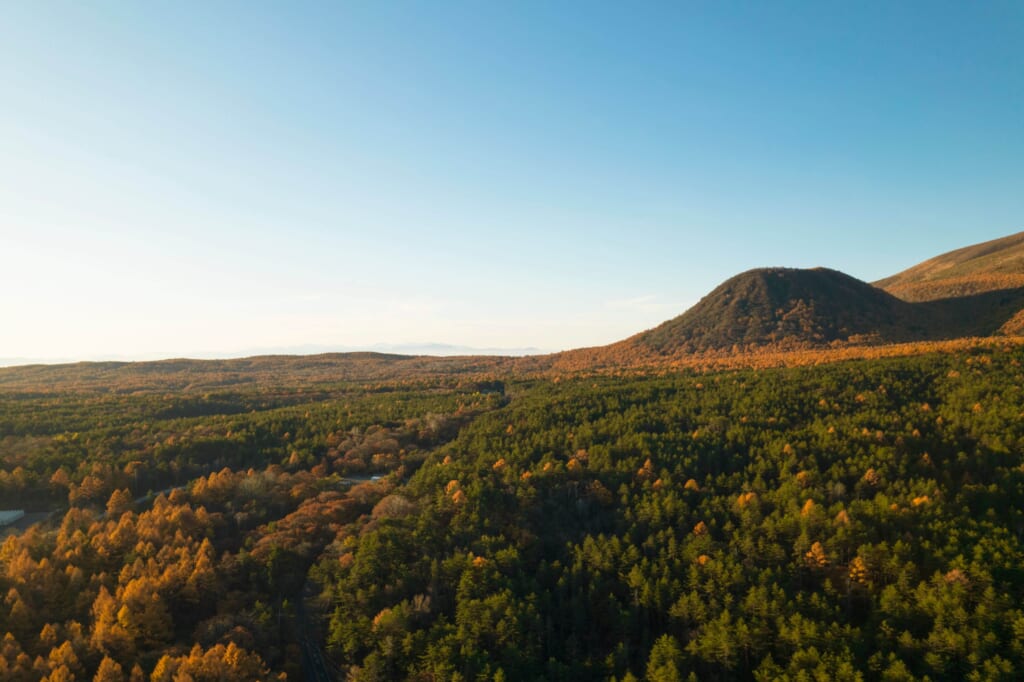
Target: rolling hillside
{"type": "Point", "coordinates": [989, 266]}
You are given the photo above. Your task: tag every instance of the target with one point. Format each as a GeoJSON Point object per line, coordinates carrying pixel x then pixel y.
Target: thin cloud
{"type": "Point", "coordinates": [646, 305]}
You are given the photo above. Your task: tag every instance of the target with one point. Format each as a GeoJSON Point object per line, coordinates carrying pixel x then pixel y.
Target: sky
{"type": "Point", "coordinates": [218, 179]}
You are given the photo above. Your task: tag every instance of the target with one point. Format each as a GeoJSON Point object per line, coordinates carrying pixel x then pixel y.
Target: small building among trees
{"type": "Point", "coordinates": [9, 516]}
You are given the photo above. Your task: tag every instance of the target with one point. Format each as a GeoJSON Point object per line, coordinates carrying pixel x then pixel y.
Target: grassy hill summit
{"type": "Point", "coordinates": [993, 266]}
{"type": "Point", "coordinates": [989, 266]}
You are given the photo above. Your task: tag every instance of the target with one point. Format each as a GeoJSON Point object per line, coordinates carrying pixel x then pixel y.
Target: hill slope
{"type": "Point", "coordinates": [989, 266]}
{"type": "Point", "coordinates": [786, 307]}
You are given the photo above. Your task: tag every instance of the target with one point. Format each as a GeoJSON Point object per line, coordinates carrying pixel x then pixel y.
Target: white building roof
{"type": "Point", "coordinates": [10, 516]}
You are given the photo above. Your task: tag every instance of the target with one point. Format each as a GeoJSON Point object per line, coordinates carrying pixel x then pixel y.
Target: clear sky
{"type": "Point", "coordinates": [184, 178]}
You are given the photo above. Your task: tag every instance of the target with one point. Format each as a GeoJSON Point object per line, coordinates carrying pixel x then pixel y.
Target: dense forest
{"type": "Point", "coordinates": [858, 520]}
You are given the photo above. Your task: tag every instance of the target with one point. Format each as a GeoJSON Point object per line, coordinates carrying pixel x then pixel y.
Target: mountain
{"type": "Point", "coordinates": [974, 291]}
{"type": "Point", "coordinates": [788, 307]}
{"type": "Point", "coordinates": [784, 309]}
{"type": "Point", "coordinates": [990, 266]}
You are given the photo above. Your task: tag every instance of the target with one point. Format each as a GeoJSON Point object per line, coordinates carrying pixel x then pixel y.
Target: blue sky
{"type": "Point", "coordinates": [219, 178]}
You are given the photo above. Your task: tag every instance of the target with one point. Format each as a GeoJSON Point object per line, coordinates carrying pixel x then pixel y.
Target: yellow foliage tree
{"type": "Point", "coordinates": [808, 508]}
{"type": "Point", "coordinates": [120, 501]}
{"type": "Point", "coordinates": [108, 635]}
{"type": "Point", "coordinates": [109, 671]}
{"type": "Point", "coordinates": [859, 571]}
{"type": "Point", "coordinates": [816, 556]}
{"type": "Point", "coordinates": [143, 614]}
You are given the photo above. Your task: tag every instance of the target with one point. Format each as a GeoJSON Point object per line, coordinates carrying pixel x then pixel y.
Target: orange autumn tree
{"type": "Point", "coordinates": [218, 663]}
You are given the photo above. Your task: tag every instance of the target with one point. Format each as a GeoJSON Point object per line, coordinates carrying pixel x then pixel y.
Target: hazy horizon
{"type": "Point", "coordinates": [205, 180]}
{"type": "Point", "coordinates": [427, 348]}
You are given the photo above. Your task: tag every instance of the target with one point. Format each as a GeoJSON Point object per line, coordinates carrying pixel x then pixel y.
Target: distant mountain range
{"type": "Point", "coordinates": [435, 349]}
{"type": "Point", "coordinates": [976, 291]}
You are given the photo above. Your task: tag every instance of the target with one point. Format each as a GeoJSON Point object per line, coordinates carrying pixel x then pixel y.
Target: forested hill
{"type": "Point", "coordinates": [977, 291]}
{"type": "Point", "coordinates": [784, 306]}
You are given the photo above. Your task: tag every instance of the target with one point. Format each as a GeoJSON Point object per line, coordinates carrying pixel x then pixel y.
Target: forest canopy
{"type": "Point", "coordinates": [854, 520]}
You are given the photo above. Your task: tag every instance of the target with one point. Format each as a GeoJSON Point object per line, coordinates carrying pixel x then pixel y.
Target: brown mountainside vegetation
{"type": "Point", "coordinates": [989, 266]}
{"type": "Point", "coordinates": [784, 307]}
{"type": "Point", "coordinates": [785, 316]}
